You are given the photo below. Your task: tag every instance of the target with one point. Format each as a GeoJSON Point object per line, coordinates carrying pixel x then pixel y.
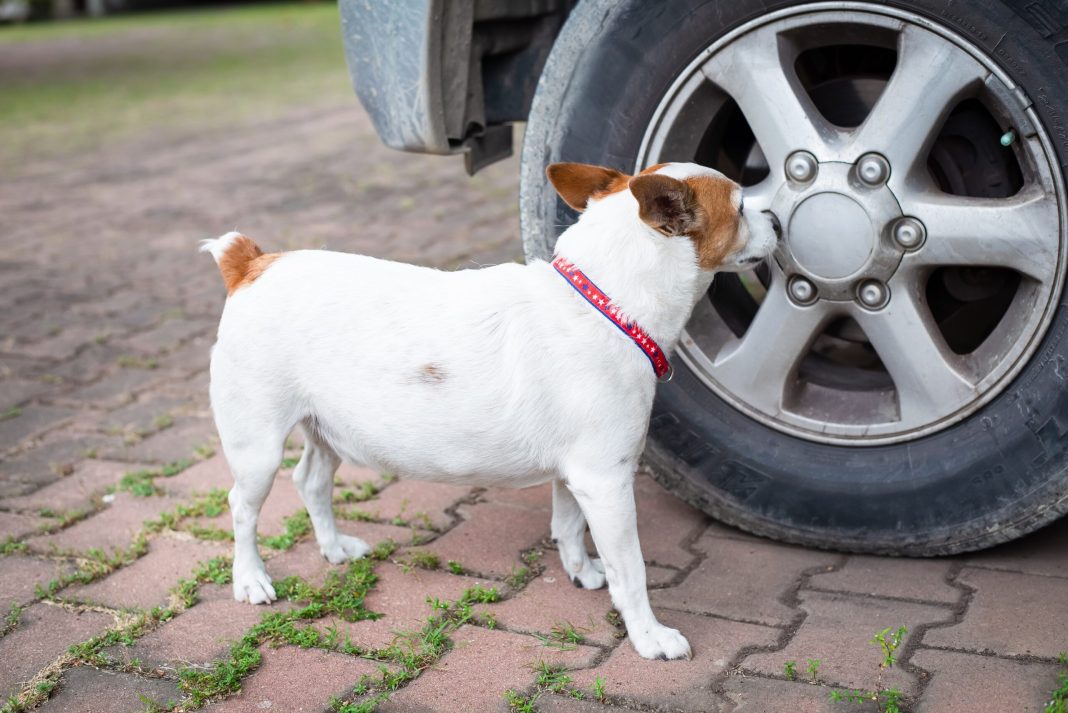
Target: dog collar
{"type": "Point", "coordinates": [593, 294]}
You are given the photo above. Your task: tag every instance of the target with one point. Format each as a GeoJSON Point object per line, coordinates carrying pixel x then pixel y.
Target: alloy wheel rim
{"type": "Point", "coordinates": [890, 228]}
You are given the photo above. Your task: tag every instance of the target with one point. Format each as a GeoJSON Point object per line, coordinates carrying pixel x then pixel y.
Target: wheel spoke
{"type": "Point", "coordinates": [927, 375]}
{"type": "Point", "coordinates": [758, 197]}
{"type": "Point", "coordinates": [931, 76]}
{"type": "Point", "coordinates": [759, 76]}
{"type": "Point", "coordinates": [1018, 233]}
{"type": "Point", "coordinates": [762, 362]}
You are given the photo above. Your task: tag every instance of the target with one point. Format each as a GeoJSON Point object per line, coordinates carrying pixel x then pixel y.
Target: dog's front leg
{"type": "Point", "coordinates": [569, 531]}
{"type": "Point", "coordinates": [607, 499]}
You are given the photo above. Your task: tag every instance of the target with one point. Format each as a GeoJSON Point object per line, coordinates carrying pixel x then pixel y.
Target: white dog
{"type": "Point", "coordinates": [511, 375]}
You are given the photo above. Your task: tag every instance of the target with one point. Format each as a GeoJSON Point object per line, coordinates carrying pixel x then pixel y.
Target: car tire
{"type": "Point", "coordinates": [988, 477]}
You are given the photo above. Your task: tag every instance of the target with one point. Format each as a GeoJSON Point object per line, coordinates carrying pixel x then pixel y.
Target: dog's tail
{"type": "Point", "coordinates": [240, 259]}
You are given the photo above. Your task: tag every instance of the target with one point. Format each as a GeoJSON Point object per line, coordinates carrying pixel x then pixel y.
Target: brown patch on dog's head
{"type": "Point", "coordinates": [577, 183]}
{"type": "Point", "coordinates": [243, 262]}
{"type": "Point", "coordinates": [701, 208]}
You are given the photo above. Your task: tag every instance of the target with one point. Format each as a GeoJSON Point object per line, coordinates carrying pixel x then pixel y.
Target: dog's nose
{"type": "Point", "coordinates": [775, 225]}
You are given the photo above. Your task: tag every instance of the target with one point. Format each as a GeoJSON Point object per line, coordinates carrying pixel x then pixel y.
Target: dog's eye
{"type": "Point", "coordinates": [741, 206]}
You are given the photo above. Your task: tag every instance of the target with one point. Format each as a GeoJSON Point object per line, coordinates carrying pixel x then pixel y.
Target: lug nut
{"type": "Point", "coordinates": [873, 169]}
{"type": "Point", "coordinates": [801, 166]}
{"type": "Point", "coordinates": [873, 294]}
{"type": "Point", "coordinates": [801, 290]}
{"type": "Point", "coordinates": [909, 233]}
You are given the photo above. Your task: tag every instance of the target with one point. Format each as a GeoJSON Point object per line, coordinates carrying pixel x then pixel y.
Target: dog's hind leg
{"type": "Point", "coordinates": [314, 478]}
{"type": "Point", "coordinates": [607, 499]}
{"type": "Point", "coordinates": [569, 531]}
{"type": "Point", "coordinates": [254, 452]}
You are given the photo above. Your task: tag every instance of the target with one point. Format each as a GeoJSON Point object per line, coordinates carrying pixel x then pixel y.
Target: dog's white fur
{"type": "Point", "coordinates": [502, 376]}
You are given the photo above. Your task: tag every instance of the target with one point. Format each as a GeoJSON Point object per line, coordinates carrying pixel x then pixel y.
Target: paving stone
{"type": "Point", "coordinates": [418, 502]}
{"type": "Point", "coordinates": [660, 577]}
{"type": "Point", "coordinates": [1010, 614]}
{"type": "Point", "coordinates": [963, 683]}
{"type": "Point", "coordinates": [61, 346]}
{"type": "Point", "coordinates": [402, 598]}
{"type": "Point", "coordinates": [15, 526]}
{"type": "Point", "coordinates": [43, 634]}
{"type": "Point", "coordinates": [539, 497]}
{"type": "Point", "coordinates": [89, 690]}
{"type": "Point", "coordinates": [75, 491]}
{"type": "Point", "coordinates": [481, 666]}
{"type": "Point", "coordinates": [91, 363]}
{"type": "Point", "coordinates": [372, 533]}
{"type": "Point", "coordinates": [491, 537]}
{"type": "Point", "coordinates": [764, 695]}
{"type": "Point", "coordinates": [167, 335]}
{"type": "Point", "coordinates": [148, 414]}
{"type": "Point", "coordinates": [722, 529]}
{"type": "Point", "coordinates": [302, 560]}
{"type": "Point", "coordinates": [179, 441]}
{"type": "Point", "coordinates": [743, 579]}
{"type": "Point", "coordinates": [119, 387]}
{"type": "Point", "coordinates": [664, 524]}
{"type": "Point", "coordinates": [147, 582]}
{"type": "Point", "coordinates": [30, 421]}
{"type": "Point", "coordinates": [193, 357]}
{"type": "Point", "coordinates": [111, 529]}
{"type": "Point", "coordinates": [1043, 552]}
{"type": "Point", "coordinates": [204, 476]}
{"type": "Point", "coordinates": [296, 681]}
{"type": "Point", "coordinates": [838, 630]}
{"type": "Point", "coordinates": [14, 392]}
{"type": "Point", "coordinates": [923, 579]}
{"type": "Point", "coordinates": [47, 460]}
{"type": "Point", "coordinates": [20, 575]}
{"type": "Point", "coordinates": [680, 684]}
{"type": "Point", "coordinates": [549, 703]}
{"type": "Point", "coordinates": [197, 636]}
{"type": "Point", "coordinates": [305, 561]}
{"type": "Point", "coordinates": [348, 474]}
{"type": "Point", "coordinates": [16, 366]}
{"type": "Point", "coordinates": [551, 599]}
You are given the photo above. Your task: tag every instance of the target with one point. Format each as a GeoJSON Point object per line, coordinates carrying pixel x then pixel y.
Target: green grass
{"type": "Point", "coordinates": [1058, 702]}
{"type": "Point", "coordinates": [296, 527]}
{"type": "Point", "coordinates": [139, 75]}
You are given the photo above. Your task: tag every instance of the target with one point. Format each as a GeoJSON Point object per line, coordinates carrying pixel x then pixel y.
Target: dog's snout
{"type": "Point", "coordinates": [775, 225]}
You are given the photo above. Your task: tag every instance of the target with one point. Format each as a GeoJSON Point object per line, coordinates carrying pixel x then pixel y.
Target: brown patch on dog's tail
{"type": "Point", "coordinates": [240, 260]}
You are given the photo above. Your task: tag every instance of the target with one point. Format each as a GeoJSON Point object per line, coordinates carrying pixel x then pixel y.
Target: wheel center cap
{"type": "Point", "coordinates": [831, 235]}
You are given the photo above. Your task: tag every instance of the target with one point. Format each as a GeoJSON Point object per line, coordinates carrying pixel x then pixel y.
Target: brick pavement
{"type": "Point", "coordinates": [105, 325]}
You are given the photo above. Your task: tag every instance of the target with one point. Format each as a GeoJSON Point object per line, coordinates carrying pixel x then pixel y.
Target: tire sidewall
{"type": "Point", "coordinates": [989, 478]}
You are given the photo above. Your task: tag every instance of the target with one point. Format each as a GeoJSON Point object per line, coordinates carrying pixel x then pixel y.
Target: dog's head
{"type": "Point", "coordinates": [679, 200]}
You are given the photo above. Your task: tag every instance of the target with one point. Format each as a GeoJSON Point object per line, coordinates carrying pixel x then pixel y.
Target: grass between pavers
{"type": "Point", "coordinates": [411, 652]}
{"type": "Point", "coordinates": [1058, 702]}
{"type": "Point", "coordinates": [142, 483]}
{"type": "Point", "coordinates": [78, 84]}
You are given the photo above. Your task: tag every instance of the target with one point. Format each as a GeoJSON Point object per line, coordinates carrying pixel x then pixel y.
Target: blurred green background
{"type": "Point", "coordinates": [82, 83]}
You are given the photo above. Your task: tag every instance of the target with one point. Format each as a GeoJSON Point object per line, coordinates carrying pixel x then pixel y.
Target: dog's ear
{"type": "Point", "coordinates": [665, 204]}
{"type": "Point", "coordinates": [577, 182]}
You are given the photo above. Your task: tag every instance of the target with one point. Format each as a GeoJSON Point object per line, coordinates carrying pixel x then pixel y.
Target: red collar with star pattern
{"type": "Point", "coordinates": [593, 294]}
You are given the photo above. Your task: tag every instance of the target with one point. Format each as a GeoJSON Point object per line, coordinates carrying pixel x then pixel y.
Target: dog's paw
{"type": "Point", "coordinates": [661, 642]}
{"type": "Point", "coordinates": [591, 576]}
{"type": "Point", "coordinates": [344, 549]}
{"type": "Point", "coordinates": [253, 585]}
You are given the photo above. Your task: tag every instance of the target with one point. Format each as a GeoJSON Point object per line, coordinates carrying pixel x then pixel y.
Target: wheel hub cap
{"type": "Point", "coordinates": [830, 235]}
{"type": "Point", "coordinates": [839, 231]}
